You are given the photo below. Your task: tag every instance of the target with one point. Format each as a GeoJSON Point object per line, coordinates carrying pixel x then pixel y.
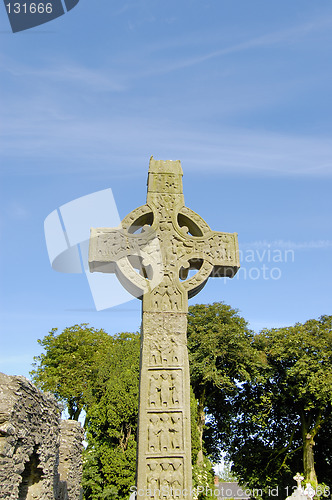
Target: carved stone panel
{"type": "Point", "coordinates": [165, 389]}
{"type": "Point", "coordinates": [167, 296]}
{"type": "Point", "coordinates": [166, 351]}
{"type": "Point", "coordinates": [165, 478]}
{"type": "Point", "coordinates": [165, 433]}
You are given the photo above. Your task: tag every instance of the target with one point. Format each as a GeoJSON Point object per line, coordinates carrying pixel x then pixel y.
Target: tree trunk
{"type": "Point", "coordinates": [200, 426]}
{"type": "Point", "coordinates": [308, 460]}
{"type": "Point", "coordinates": [309, 431]}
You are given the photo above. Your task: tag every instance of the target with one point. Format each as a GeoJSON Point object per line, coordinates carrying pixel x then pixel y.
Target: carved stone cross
{"type": "Point", "coordinates": [154, 254]}
{"type": "Point", "coordinates": [298, 478]}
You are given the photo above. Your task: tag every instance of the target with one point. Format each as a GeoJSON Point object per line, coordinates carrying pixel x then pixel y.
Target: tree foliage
{"type": "Point", "coordinates": [267, 397]}
{"type": "Point", "coordinates": [221, 356]}
{"type": "Point", "coordinates": [68, 365]}
{"type": "Point", "coordinates": [282, 424]}
{"type": "Point", "coordinates": [112, 420]}
{"type": "Point", "coordinates": [220, 347]}
{"type": "Point", "coordinates": [87, 369]}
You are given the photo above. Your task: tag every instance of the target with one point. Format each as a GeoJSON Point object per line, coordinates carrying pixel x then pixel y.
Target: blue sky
{"type": "Point", "coordinates": [239, 91]}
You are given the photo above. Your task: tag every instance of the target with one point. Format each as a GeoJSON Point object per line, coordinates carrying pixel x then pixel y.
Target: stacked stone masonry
{"type": "Point", "coordinates": [40, 454]}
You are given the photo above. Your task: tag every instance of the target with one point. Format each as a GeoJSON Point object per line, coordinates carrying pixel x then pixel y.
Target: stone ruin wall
{"type": "Point", "coordinates": [40, 454]}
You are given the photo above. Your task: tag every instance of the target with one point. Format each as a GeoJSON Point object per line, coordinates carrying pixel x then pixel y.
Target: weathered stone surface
{"type": "Point", "coordinates": [164, 456]}
{"type": "Point", "coordinates": [70, 459]}
{"type": "Point", "coordinates": [30, 435]}
{"type": "Point", "coordinates": [152, 255]}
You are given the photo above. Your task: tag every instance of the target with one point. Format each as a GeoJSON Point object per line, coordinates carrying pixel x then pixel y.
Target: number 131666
{"type": "Point", "coordinates": [29, 8]}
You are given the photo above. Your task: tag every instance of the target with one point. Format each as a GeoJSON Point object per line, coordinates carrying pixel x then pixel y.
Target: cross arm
{"type": "Point", "coordinates": [218, 250]}
{"type": "Point", "coordinates": [106, 246]}
{"type": "Point", "coordinates": [223, 254]}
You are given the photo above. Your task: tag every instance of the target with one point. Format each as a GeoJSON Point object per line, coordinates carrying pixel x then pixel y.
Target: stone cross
{"type": "Point", "coordinates": [298, 478]}
{"type": "Point", "coordinates": [154, 254]}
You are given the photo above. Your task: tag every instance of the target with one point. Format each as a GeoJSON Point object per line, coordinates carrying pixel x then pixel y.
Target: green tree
{"type": "Point", "coordinates": [202, 471]}
{"type": "Point", "coordinates": [112, 409]}
{"type": "Point", "coordinates": [87, 369]}
{"type": "Point", "coordinates": [279, 422]}
{"type": "Point", "coordinates": [68, 365]}
{"type": "Point", "coordinates": [222, 356]}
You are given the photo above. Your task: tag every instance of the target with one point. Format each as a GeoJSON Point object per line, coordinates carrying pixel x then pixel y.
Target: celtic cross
{"type": "Point", "coordinates": [298, 478]}
{"type": "Point", "coordinates": [164, 253]}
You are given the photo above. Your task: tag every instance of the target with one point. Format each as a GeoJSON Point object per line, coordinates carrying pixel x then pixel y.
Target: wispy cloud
{"type": "Point", "coordinates": [287, 244]}
{"type": "Point", "coordinates": [97, 79]}
{"type": "Point", "coordinates": [70, 72]}
{"type": "Point", "coordinates": [46, 125]}
{"type": "Point", "coordinates": [290, 36]}
{"type": "Point", "coordinates": [76, 144]}
{"type": "Point", "coordinates": [15, 210]}
{"type": "Point", "coordinates": [139, 63]}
